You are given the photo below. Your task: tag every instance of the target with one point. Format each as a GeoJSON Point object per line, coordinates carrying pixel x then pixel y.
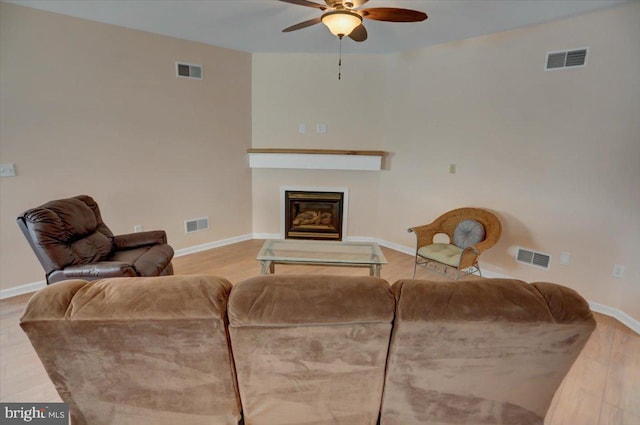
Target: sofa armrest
{"type": "Point", "coordinates": [140, 239]}
{"type": "Point", "coordinates": [102, 269]}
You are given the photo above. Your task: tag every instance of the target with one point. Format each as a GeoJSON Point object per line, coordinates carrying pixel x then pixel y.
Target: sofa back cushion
{"type": "Point", "coordinates": [150, 350]}
{"type": "Point", "coordinates": [492, 351]}
{"type": "Point", "coordinates": [68, 232]}
{"type": "Point", "coordinates": [310, 349]}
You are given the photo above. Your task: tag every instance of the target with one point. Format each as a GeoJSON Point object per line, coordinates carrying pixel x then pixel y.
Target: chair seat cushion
{"type": "Point", "coordinates": [442, 253]}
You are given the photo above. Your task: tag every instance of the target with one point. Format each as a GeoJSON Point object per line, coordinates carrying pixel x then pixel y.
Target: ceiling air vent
{"type": "Point", "coordinates": [533, 258]}
{"type": "Point", "coordinates": [196, 225]}
{"type": "Point", "coordinates": [188, 70]}
{"type": "Point", "coordinates": [566, 59]}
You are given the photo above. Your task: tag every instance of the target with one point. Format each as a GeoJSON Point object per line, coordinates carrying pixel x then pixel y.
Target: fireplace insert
{"type": "Point", "coordinates": [313, 215]}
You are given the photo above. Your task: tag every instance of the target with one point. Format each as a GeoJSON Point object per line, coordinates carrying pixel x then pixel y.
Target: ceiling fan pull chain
{"type": "Point", "coordinates": [340, 61]}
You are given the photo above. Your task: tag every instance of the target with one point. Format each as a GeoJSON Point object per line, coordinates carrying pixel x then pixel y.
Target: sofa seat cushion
{"type": "Point", "coordinates": [442, 253]}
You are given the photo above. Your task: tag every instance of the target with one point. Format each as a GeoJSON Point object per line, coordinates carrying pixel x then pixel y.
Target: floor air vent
{"type": "Point", "coordinates": [196, 225]}
{"type": "Point", "coordinates": [533, 258]}
{"type": "Point", "coordinates": [566, 59]}
{"type": "Point", "coordinates": [187, 70]}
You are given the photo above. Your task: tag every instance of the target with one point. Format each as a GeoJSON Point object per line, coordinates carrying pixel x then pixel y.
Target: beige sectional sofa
{"type": "Point", "coordinates": [306, 350]}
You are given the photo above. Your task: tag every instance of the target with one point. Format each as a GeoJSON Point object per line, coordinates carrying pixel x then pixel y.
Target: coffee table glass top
{"type": "Point", "coordinates": [293, 250]}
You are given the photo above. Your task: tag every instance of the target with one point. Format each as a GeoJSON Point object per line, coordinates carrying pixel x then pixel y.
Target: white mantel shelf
{"type": "Point", "coordinates": [316, 159]}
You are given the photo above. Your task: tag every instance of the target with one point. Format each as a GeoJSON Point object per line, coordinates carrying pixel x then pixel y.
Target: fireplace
{"type": "Point", "coordinates": [313, 215]}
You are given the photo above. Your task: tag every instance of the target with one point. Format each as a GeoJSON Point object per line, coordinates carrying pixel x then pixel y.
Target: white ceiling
{"type": "Point", "coordinates": [255, 25]}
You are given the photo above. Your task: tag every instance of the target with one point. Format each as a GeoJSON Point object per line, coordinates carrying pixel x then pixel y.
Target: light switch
{"type": "Point", "coordinates": [452, 168]}
{"type": "Point", "coordinates": [618, 271]}
{"type": "Point", "coordinates": [7, 170]}
{"type": "Point", "coordinates": [302, 128]}
{"type": "Point", "coordinates": [322, 128]}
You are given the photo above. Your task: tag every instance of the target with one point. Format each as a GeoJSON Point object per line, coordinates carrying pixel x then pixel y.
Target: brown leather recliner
{"type": "Point", "coordinates": [72, 242]}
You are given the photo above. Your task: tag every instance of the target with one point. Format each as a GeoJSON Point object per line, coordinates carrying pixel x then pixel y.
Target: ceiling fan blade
{"type": "Point", "coordinates": [359, 33]}
{"type": "Point", "coordinates": [306, 3]}
{"type": "Point", "coordinates": [303, 24]}
{"type": "Point", "coordinates": [392, 14]}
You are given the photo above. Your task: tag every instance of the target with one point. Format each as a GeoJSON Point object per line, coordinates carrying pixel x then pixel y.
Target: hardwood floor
{"type": "Point", "coordinates": [602, 388]}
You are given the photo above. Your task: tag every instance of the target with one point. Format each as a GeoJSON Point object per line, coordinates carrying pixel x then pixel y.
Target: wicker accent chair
{"type": "Point", "coordinates": [471, 231]}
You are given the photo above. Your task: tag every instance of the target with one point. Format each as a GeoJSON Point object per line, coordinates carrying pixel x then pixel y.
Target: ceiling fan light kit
{"type": "Point", "coordinates": [341, 22]}
{"type": "Point", "coordinates": [344, 18]}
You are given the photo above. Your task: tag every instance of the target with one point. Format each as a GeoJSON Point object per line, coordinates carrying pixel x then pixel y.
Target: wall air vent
{"type": "Point", "coordinates": [196, 225]}
{"type": "Point", "coordinates": [533, 258]}
{"type": "Point", "coordinates": [566, 59]}
{"type": "Point", "coordinates": [188, 70]}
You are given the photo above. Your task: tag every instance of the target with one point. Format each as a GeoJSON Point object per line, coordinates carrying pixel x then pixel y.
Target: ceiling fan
{"type": "Point", "coordinates": [344, 18]}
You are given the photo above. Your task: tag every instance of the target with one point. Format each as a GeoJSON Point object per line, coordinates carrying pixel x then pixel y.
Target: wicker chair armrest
{"type": "Point", "coordinates": [425, 233]}
{"type": "Point", "coordinates": [468, 257]}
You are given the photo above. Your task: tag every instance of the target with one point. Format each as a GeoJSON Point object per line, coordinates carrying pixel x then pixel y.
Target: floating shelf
{"type": "Point", "coordinates": [316, 159]}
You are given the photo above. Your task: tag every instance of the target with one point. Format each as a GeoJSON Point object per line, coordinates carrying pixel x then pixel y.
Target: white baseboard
{"type": "Point", "coordinates": [22, 289]}
{"type": "Point", "coordinates": [617, 314]}
{"type": "Point", "coordinates": [267, 236]}
{"type": "Point", "coordinates": [397, 247]}
{"type": "Point", "coordinates": [33, 287]}
{"type": "Point", "coordinates": [211, 245]}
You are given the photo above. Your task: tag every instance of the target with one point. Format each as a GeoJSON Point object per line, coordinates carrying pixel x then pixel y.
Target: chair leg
{"type": "Point", "coordinates": [479, 271]}
{"type": "Point", "coordinates": [415, 266]}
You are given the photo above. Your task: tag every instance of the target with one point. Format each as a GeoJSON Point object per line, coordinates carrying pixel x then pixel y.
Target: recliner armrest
{"type": "Point", "coordinates": [140, 239]}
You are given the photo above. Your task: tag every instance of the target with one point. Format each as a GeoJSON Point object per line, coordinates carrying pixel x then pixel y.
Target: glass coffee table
{"type": "Point", "coordinates": [321, 253]}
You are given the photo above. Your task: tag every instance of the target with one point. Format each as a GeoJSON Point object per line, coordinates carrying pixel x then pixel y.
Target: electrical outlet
{"type": "Point", "coordinates": [302, 128]}
{"type": "Point", "coordinates": [565, 258]}
{"type": "Point", "coordinates": [137, 228]}
{"type": "Point", "coordinates": [7, 170]}
{"type": "Point", "coordinates": [452, 168]}
{"type": "Point", "coordinates": [618, 271]}
{"type": "Point", "coordinates": [322, 128]}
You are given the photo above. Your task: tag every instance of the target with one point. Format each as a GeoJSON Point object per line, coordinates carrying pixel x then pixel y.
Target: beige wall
{"type": "Point", "coordinates": [555, 154]}
{"type": "Point", "coordinates": [92, 108]}
{"type": "Point", "coordinates": [289, 90]}
{"type": "Point", "coordinates": [97, 109]}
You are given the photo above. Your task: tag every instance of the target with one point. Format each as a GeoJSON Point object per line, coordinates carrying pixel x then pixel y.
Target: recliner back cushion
{"type": "Point", "coordinates": [70, 231]}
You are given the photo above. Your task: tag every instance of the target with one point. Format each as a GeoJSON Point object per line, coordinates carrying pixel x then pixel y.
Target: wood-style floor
{"type": "Point", "coordinates": [603, 387]}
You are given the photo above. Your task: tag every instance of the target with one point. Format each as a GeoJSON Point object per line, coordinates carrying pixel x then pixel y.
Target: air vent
{"type": "Point", "coordinates": [566, 59]}
{"type": "Point", "coordinates": [533, 258]}
{"type": "Point", "coordinates": [188, 70]}
{"type": "Point", "coordinates": [196, 225]}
